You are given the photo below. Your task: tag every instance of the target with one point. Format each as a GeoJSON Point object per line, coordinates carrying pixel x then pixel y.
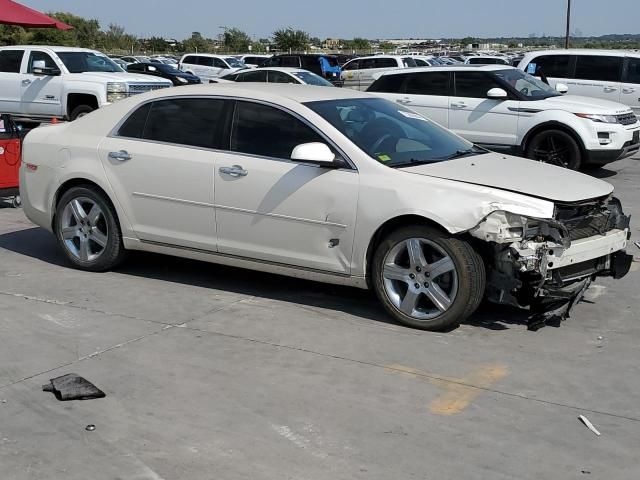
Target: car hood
{"type": "Point", "coordinates": [578, 104]}
{"type": "Point", "coordinates": [519, 175]}
{"type": "Point", "coordinates": [118, 77]}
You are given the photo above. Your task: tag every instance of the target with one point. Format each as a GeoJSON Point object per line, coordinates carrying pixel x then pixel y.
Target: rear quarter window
{"type": "Point", "coordinates": [389, 84]}
{"type": "Point", "coordinates": [592, 67]}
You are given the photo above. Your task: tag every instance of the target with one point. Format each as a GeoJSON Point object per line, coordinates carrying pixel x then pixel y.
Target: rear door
{"type": "Point", "coordinates": [41, 95]}
{"type": "Point", "coordinates": [597, 76]}
{"type": "Point", "coordinates": [480, 119]}
{"type": "Point", "coordinates": [631, 85]}
{"type": "Point", "coordinates": [10, 81]}
{"type": "Point", "coordinates": [428, 94]}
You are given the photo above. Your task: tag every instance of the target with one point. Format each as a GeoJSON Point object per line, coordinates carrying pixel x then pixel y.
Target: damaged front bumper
{"type": "Point", "coordinates": [547, 269]}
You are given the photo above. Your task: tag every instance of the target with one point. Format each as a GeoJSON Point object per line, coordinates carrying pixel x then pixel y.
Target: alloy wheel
{"type": "Point", "coordinates": [84, 229]}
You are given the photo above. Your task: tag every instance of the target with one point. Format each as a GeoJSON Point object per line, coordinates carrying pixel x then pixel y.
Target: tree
{"type": "Point", "coordinates": [235, 40]}
{"type": "Point", "coordinates": [86, 33]}
{"type": "Point", "coordinates": [289, 39]}
{"type": "Point", "coordinates": [196, 44]}
{"type": "Point", "coordinates": [357, 44]}
{"type": "Point", "coordinates": [12, 35]}
{"type": "Point", "coordinates": [386, 46]}
{"type": "Point", "coordinates": [467, 41]}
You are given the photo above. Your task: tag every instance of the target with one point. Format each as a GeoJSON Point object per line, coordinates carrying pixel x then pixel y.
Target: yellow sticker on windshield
{"type": "Point", "coordinates": [384, 158]}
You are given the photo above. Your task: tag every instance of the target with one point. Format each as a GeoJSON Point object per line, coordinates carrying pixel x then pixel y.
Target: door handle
{"type": "Point", "coordinates": [235, 171]}
{"type": "Point", "coordinates": [610, 89]}
{"type": "Point", "coordinates": [121, 156]}
{"type": "Point", "coordinates": [458, 104]}
{"type": "Point", "coordinates": [404, 101]}
{"type": "Point", "coordinates": [26, 82]}
{"type": "Point", "coordinates": [628, 90]}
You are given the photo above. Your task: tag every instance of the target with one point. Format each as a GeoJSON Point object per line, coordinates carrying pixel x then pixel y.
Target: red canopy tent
{"type": "Point", "coordinates": [12, 13]}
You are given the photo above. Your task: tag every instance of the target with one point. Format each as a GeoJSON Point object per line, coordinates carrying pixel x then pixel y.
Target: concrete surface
{"type": "Point", "coordinates": [214, 372]}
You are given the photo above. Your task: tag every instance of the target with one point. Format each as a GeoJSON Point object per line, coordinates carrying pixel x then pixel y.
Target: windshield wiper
{"type": "Point", "coordinates": [464, 153]}
{"type": "Point", "coordinates": [411, 162]}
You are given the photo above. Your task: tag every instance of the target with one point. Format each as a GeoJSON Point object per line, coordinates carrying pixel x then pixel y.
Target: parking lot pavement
{"type": "Point", "coordinates": [214, 372]}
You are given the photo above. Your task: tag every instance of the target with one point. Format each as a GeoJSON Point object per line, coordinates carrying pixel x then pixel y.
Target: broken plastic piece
{"type": "Point", "coordinates": [90, 428]}
{"type": "Point", "coordinates": [73, 387]}
{"type": "Point", "coordinates": [588, 424]}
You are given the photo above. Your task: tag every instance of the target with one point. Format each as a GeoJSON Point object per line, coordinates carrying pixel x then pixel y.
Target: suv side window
{"type": "Point", "coordinates": [253, 76]}
{"type": "Point", "coordinates": [474, 84]}
{"type": "Point", "coordinates": [10, 61]}
{"type": "Point", "coordinates": [389, 84]}
{"type": "Point", "coordinates": [289, 62]}
{"type": "Point", "coordinates": [431, 83]}
{"type": "Point", "coordinates": [367, 63]}
{"type": "Point", "coordinates": [191, 60]}
{"type": "Point", "coordinates": [185, 121]}
{"type": "Point", "coordinates": [272, 62]}
{"type": "Point", "coordinates": [218, 63]}
{"type": "Point", "coordinates": [554, 66]}
{"type": "Point", "coordinates": [409, 62]}
{"type": "Point", "coordinates": [267, 131]}
{"type": "Point", "coordinates": [133, 127]}
{"type": "Point", "coordinates": [592, 67]}
{"type": "Point", "coordinates": [205, 61]}
{"type": "Point", "coordinates": [352, 65]}
{"type": "Point", "coordinates": [633, 71]}
{"type": "Point", "coordinates": [385, 63]}
{"type": "Point", "coordinates": [36, 56]}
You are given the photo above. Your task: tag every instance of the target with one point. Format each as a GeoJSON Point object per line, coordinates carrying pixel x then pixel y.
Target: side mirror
{"type": "Point", "coordinates": [314, 152]}
{"type": "Point", "coordinates": [562, 88]}
{"type": "Point", "coordinates": [39, 67]}
{"type": "Point", "coordinates": [497, 94]}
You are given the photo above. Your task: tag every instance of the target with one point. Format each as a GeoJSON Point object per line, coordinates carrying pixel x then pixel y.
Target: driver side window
{"type": "Point", "coordinates": [37, 56]}
{"type": "Point", "coordinates": [474, 84]}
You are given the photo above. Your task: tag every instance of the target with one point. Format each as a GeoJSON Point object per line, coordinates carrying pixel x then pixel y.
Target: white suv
{"type": "Point", "coordinates": [359, 73]}
{"type": "Point", "coordinates": [606, 74]}
{"type": "Point", "coordinates": [38, 82]}
{"type": "Point", "coordinates": [209, 67]}
{"type": "Point", "coordinates": [505, 109]}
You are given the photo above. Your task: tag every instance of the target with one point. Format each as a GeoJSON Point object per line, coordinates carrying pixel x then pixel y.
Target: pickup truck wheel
{"type": "Point", "coordinates": [428, 279]}
{"type": "Point", "coordinates": [555, 147]}
{"type": "Point", "coordinates": [88, 231]}
{"type": "Point", "coordinates": [80, 111]}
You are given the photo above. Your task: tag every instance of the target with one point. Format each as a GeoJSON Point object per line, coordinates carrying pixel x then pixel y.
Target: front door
{"type": "Point", "coordinates": [480, 119]}
{"type": "Point", "coordinates": [160, 165]}
{"type": "Point", "coordinates": [41, 94]}
{"type": "Point", "coordinates": [10, 63]}
{"type": "Point", "coordinates": [276, 210]}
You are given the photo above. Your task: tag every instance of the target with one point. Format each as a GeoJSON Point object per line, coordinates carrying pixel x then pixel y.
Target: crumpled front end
{"type": "Point", "coordinates": [546, 265]}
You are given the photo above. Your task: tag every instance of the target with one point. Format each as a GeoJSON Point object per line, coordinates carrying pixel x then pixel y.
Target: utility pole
{"type": "Point", "coordinates": [566, 41]}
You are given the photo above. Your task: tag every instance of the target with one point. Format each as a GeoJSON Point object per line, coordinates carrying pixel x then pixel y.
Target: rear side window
{"type": "Point", "coordinates": [633, 71]}
{"type": "Point", "coordinates": [385, 63]}
{"type": "Point", "coordinates": [388, 84]}
{"type": "Point", "coordinates": [185, 121]}
{"type": "Point", "coordinates": [205, 61]}
{"type": "Point", "coordinates": [555, 66]}
{"type": "Point", "coordinates": [279, 77]}
{"type": "Point", "coordinates": [474, 84]}
{"type": "Point", "coordinates": [309, 62]}
{"type": "Point", "coordinates": [191, 60]}
{"type": "Point", "coordinates": [352, 65]}
{"type": "Point", "coordinates": [218, 63]}
{"type": "Point", "coordinates": [253, 76]}
{"type": "Point", "coordinates": [591, 67]}
{"type": "Point", "coordinates": [432, 83]}
{"type": "Point", "coordinates": [289, 62]}
{"type": "Point", "coordinates": [266, 131]}
{"type": "Point", "coordinates": [272, 62]}
{"type": "Point", "coordinates": [10, 60]}
{"type": "Point", "coordinates": [133, 127]}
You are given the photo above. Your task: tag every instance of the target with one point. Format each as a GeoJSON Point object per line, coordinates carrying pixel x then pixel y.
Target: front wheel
{"type": "Point", "coordinates": [428, 279]}
{"type": "Point", "coordinates": [556, 148]}
{"type": "Point", "coordinates": [88, 231]}
{"type": "Point", "coordinates": [80, 111]}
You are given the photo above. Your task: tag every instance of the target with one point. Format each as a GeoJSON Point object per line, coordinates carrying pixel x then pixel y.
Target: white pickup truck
{"type": "Point", "coordinates": [41, 82]}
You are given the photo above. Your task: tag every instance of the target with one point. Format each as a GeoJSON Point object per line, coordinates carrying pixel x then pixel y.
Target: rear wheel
{"type": "Point", "coordinates": [16, 202]}
{"type": "Point", "coordinates": [428, 279]}
{"type": "Point", "coordinates": [555, 147]}
{"type": "Point", "coordinates": [88, 231]}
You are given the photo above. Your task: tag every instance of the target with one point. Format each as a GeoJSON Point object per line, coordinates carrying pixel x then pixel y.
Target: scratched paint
{"type": "Point", "coordinates": [457, 393]}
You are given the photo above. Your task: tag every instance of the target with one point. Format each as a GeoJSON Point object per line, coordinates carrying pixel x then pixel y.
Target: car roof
{"type": "Point", "coordinates": [450, 68]}
{"type": "Point", "coordinates": [276, 69]}
{"type": "Point", "coordinates": [212, 55]}
{"type": "Point", "coordinates": [384, 56]}
{"type": "Point", "coordinates": [583, 51]}
{"type": "Point", "coordinates": [55, 48]}
{"type": "Point", "coordinates": [262, 91]}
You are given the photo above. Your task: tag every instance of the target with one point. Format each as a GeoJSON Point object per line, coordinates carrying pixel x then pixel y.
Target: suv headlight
{"type": "Point", "coordinates": [599, 118]}
{"type": "Point", "coordinates": [116, 91]}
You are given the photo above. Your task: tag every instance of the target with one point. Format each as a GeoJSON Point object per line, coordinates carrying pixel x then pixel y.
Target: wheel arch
{"type": "Point", "coordinates": [79, 182]}
{"type": "Point", "coordinates": [74, 100]}
{"type": "Point", "coordinates": [552, 125]}
{"type": "Point", "coordinates": [389, 226]}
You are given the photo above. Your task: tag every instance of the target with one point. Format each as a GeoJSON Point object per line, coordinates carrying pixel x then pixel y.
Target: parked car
{"type": "Point", "coordinates": [121, 63]}
{"type": "Point", "coordinates": [506, 109]}
{"type": "Point", "coordinates": [486, 60]}
{"type": "Point", "coordinates": [324, 65]}
{"type": "Point", "coordinates": [607, 74]}
{"type": "Point", "coordinates": [254, 61]}
{"type": "Point", "coordinates": [177, 77]}
{"type": "Point", "coordinates": [42, 82]}
{"type": "Point", "coordinates": [427, 61]}
{"type": "Point", "coordinates": [327, 184]}
{"type": "Point", "coordinates": [279, 75]}
{"type": "Point", "coordinates": [135, 59]}
{"type": "Point", "coordinates": [359, 73]}
{"type": "Point", "coordinates": [208, 67]}
{"type": "Point", "coordinates": [344, 58]}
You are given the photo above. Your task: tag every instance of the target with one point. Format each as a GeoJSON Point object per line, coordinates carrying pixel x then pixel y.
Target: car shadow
{"type": "Point", "coordinates": [39, 244]}
{"type": "Point", "coordinates": [602, 173]}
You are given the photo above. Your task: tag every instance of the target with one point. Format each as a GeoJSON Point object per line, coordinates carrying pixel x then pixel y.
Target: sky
{"type": "Point", "coordinates": [356, 18]}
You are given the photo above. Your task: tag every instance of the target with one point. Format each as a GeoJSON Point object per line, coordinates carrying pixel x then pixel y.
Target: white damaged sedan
{"type": "Point", "coordinates": [326, 184]}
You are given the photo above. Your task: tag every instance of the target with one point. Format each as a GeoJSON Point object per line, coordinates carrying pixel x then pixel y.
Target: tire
{"type": "Point", "coordinates": [100, 233]}
{"type": "Point", "coordinates": [80, 111]}
{"type": "Point", "coordinates": [555, 147]}
{"type": "Point", "coordinates": [16, 202]}
{"type": "Point", "coordinates": [463, 284]}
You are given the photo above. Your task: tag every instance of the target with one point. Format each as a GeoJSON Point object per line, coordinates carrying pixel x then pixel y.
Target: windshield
{"type": "Point", "coordinates": [528, 86]}
{"type": "Point", "coordinates": [234, 62]}
{"type": "Point", "coordinates": [312, 79]}
{"type": "Point", "coordinates": [391, 134]}
{"type": "Point", "coordinates": [80, 62]}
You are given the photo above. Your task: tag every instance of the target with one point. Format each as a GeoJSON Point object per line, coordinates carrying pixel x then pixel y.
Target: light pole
{"type": "Point", "coordinates": [566, 40]}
